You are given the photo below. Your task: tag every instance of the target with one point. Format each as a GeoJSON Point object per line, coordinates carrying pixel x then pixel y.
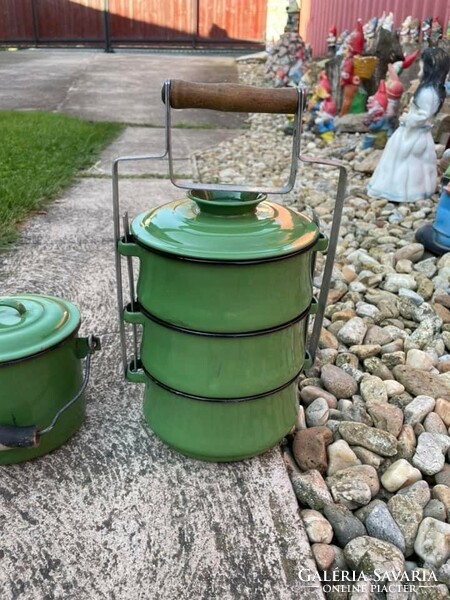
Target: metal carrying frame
{"type": "Point", "coordinates": [185, 184]}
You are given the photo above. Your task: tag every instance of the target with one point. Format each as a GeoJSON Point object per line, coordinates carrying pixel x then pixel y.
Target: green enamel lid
{"type": "Point", "coordinates": [225, 226]}
{"type": "Point", "coordinates": [30, 324]}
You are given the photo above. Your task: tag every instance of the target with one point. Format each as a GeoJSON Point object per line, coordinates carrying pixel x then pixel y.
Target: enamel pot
{"type": "Point", "coordinates": [218, 430]}
{"type": "Point", "coordinates": [221, 365]}
{"type": "Point", "coordinates": [42, 383]}
{"type": "Point", "coordinates": [224, 262]}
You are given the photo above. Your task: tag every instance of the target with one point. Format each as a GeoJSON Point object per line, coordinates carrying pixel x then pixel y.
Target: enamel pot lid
{"type": "Point", "coordinates": [225, 226]}
{"type": "Point", "coordinates": [31, 324]}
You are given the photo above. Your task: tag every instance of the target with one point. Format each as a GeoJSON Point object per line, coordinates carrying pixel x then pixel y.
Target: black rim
{"type": "Point", "coordinates": [225, 263]}
{"type": "Point", "coordinates": [148, 315]}
{"type": "Point", "coordinates": [221, 400]}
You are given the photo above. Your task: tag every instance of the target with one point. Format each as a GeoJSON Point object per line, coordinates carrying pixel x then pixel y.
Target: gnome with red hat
{"type": "Point", "coordinates": [349, 82]}
{"type": "Point", "coordinates": [394, 91]}
{"type": "Point", "coordinates": [331, 40]}
{"type": "Point", "coordinates": [376, 118]}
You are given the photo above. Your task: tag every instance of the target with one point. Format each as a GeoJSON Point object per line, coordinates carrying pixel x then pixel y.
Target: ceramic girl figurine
{"type": "Point", "coordinates": [407, 169]}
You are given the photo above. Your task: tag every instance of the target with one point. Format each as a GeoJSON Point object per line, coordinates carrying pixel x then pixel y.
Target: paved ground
{"type": "Point", "coordinates": [115, 514]}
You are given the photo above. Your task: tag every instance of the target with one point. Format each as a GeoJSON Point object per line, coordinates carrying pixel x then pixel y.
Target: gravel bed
{"type": "Point", "coordinates": [369, 458]}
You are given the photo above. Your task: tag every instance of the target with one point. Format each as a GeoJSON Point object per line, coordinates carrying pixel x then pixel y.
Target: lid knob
{"type": "Point", "coordinates": [226, 203]}
{"type": "Point", "coordinates": [16, 305]}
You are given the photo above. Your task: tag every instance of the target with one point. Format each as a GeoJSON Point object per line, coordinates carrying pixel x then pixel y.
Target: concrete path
{"type": "Point", "coordinates": [115, 514]}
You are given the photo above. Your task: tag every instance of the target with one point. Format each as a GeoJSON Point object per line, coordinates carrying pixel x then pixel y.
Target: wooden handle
{"type": "Point", "coordinates": [231, 97]}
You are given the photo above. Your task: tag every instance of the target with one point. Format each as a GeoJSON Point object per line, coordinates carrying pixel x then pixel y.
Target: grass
{"type": "Point", "coordinates": [40, 154]}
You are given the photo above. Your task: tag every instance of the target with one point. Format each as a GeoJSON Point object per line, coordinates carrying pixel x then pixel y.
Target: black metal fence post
{"type": "Point", "coordinates": [108, 47]}
{"type": "Point", "coordinates": [34, 23]}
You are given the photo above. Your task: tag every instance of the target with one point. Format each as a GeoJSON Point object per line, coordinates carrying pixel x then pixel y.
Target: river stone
{"type": "Point", "coordinates": [309, 448]}
{"type": "Point", "coordinates": [395, 281]}
{"type": "Point", "coordinates": [408, 515]}
{"type": "Point", "coordinates": [328, 340]}
{"type": "Point", "coordinates": [363, 351]}
{"type": "Point", "coordinates": [412, 252]}
{"type": "Point", "coordinates": [376, 440]}
{"type": "Point", "coordinates": [386, 417]}
{"type": "Point", "coordinates": [436, 510]}
{"type": "Point", "coordinates": [443, 477]}
{"type": "Point", "coordinates": [417, 410]}
{"type": "Point", "coordinates": [418, 359]}
{"type": "Point", "coordinates": [344, 358]}
{"type": "Point", "coordinates": [317, 527]}
{"type": "Point", "coordinates": [300, 422]}
{"type": "Point", "coordinates": [375, 366]}
{"type": "Point", "coordinates": [426, 267]}
{"type": "Point", "coordinates": [311, 489]}
{"type": "Point", "coordinates": [373, 557]}
{"type": "Point", "coordinates": [418, 492]}
{"type": "Point", "coordinates": [421, 383]}
{"type": "Point", "coordinates": [345, 525]}
{"type": "Point", "coordinates": [380, 524]}
{"type": "Point", "coordinates": [433, 542]}
{"type": "Point", "coordinates": [324, 555]}
{"type": "Point", "coordinates": [338, 382]}
{"type": "Point", "coordinates": [326, 356]}
{"type": "Point", "coordinates": [393, 388]}
{"type": "Point", "coordinates": [367, 457]}
{"type": "Point", "coordinates": [311, 392]}
{"type": "Point", "coordinates": [400, 474]}
{"type": "Point", "coordinates": [429, 455]}
{"type": "Point", "coordinates": [442, 493]}
{"type": "Point", "coordinates": [317, 413]}
{"type": "Point", "coordinates": [372, 389]}
{"type": "Point", "coordinates": [406, 442]}
{"type": "Point", "coordinates": [443, 300]}
{"type": "Point", "coordinates": [443, 410]}
{"type": "Point", "coordinates": [352, 332]}
{"type": "Point", "coordinates": [364, 473]}
{"type": "Point", "coordinates": [351, 494]}
{"type": "Point", "coordinates": [340, 456]}
{"type": "Point", "coordinates": [434, 424]}
{"type": "Point", "coordinates": [377, 336]}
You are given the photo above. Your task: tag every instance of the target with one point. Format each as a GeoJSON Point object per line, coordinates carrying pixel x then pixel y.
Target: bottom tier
{"type": "Point", "coordinates": [220, 431]}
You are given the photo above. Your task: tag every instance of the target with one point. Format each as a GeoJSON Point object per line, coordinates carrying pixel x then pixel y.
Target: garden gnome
{"type": "Point", "coordinates": [394, 91]}
{"type": "Point", "coordinates": [406, 171]}
{"type": "Point", "coordinates": [349, 82]}
{"type": "Point", "coordinates": [376, 118]}
{"type": "Point", "coordinates": [404, 31]}
{"type": "Point", "coordinates": [436, 236]}
{"type": "Point", "coordinates": [331, 40]}
{"type": "Point", "coordinates": [388, 48]}
{"type": "Point", "coordinates": [426, 29]}
{"type": "Point", "coordinates": [369, 30]}
{"type": "Point", "coordinates": [436, 31]}
{"type": "Point", "coordinates": [341, 43]}
{"type": "Point", "coordinates": [324, 121]}
{"type": "Point", "coordinates": [414, 31]}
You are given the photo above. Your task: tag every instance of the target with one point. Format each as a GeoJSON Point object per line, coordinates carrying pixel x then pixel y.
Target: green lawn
{"type": "Point", "coordinates": [40, 154]}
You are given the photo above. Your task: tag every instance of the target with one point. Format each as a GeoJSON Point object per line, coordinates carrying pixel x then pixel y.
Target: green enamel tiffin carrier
{"type": "Point", "coordinates": [219, 316]}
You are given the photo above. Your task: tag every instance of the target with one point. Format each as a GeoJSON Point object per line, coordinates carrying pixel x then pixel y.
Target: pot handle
{"type": "Point", "coordinates": [135, 373]}
{"type": "Point", "coordinates": [12, 437]}
{"type": "Point", "coordinates": [331, 252]}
